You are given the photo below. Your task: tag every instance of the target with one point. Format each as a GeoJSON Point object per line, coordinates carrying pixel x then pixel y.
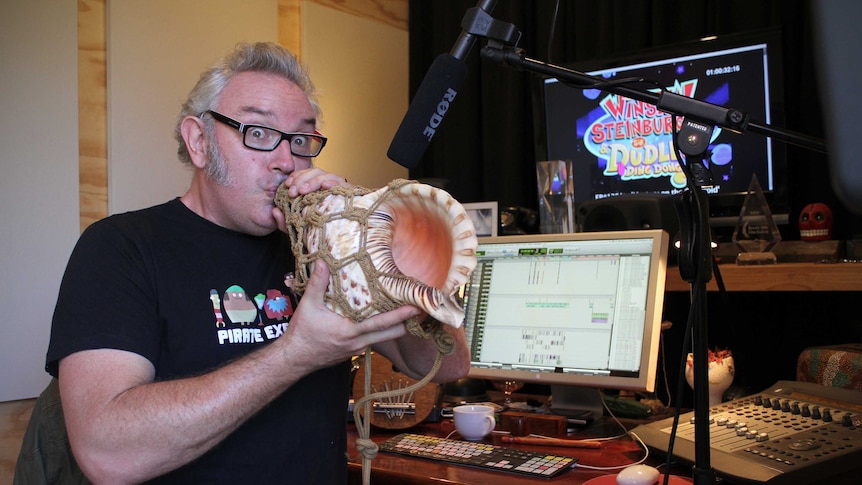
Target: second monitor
{"type": "Point", "coordinates": [577, 310]}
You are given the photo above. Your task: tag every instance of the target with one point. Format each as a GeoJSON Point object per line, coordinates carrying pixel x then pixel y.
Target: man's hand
{"type": "Point", "coordinates": [325, 338]}
{"type": "Point", "coordinates": [302, 182]}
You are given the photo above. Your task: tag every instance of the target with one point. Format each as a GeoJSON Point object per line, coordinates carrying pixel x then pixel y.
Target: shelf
{"type": "Point", "coordinates": [779, 277]}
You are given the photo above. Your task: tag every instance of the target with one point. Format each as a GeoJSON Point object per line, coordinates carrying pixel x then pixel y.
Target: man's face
{"type": "Point", "coordinates": [242, 199]}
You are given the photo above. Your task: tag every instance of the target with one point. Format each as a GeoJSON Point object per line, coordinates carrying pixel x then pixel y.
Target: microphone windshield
{"type": "Point", "coordinates": [427, 110]}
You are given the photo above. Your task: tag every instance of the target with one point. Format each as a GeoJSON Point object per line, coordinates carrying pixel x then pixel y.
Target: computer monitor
{"type": "Point", "coordinates": [577, 311]}
{"type": "Point", "coordinates": [621, 147]}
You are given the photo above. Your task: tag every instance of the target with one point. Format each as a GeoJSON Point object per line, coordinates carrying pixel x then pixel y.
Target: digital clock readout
{"type": "Point", "coordinates": [716, 71]}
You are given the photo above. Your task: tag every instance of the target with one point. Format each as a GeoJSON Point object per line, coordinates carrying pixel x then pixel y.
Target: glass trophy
{"type": "Point", "coordinates": [556, 196]}
{"type": "Point", "coordinates": [756, 233]}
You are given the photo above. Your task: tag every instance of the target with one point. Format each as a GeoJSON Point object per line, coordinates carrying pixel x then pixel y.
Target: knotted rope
{"type": "Point", "coordinates": [362, 408]}
{"type": "Point", "coordinates": [311, 211]}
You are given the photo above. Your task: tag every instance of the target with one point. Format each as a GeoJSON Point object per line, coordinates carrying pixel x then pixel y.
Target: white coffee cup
{"type": "Point", "coordinates": [474, 421]}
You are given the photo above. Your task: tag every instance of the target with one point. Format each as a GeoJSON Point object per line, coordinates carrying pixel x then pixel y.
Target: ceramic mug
{"type": "Point", "coordinates": [474, 421]}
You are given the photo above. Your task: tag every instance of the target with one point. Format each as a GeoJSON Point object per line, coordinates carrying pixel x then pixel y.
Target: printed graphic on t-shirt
{"type": "Point", "coordinates": [238, 306]}
{"type": "Point", "coordinates": [242, 319]}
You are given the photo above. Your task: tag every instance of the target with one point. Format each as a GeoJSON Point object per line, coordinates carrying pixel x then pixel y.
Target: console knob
{"type": "Point", "coordinates": [806, 411]}
{"type": "Point", "coordinates": [827, 416]}
{"type": "Point", "coordinates": [815, 413]}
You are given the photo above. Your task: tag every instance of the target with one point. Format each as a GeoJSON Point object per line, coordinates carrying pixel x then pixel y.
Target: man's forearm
{"type": "Point", "coordinates": [151, 428]}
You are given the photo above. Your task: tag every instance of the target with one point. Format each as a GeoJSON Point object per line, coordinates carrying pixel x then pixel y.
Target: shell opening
{"type": "Point", "coordinates": [421, 242]}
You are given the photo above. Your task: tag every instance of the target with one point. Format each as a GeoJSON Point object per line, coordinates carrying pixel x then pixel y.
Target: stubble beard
{"type": "Point", "coordinates": [216, 168]}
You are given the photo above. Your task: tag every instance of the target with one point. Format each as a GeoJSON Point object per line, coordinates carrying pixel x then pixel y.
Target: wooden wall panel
{"type": "Point", "coordinates": [92, 112]}
{"type": "Point", "coordinates": [92, 84]}
{"type": "Point", "coordinates": [289, 26]}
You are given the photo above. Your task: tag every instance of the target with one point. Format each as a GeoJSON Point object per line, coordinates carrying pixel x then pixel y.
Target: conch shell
{"type": "Point", "coordinates": [406, 243]}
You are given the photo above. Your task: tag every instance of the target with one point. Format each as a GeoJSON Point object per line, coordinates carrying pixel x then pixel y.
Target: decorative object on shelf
{"type": "Point", "coordinates": [556, 196]}
{"type": "Point", "coordinates": [756, 233]}
{"type": "Point", "coordinates": [832, 366]}
{"type": "Point", "coordinates": [815, 222]}
{"type": "Point", "coordinates": [518, 220]}
{"type": "Point", "coordinates": [720, 371]}
{"type": "Point", "coordinates": [485, 217]}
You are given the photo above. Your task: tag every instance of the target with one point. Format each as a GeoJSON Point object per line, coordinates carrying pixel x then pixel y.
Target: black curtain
{"type": "Point", "coordinates": [488, 145]}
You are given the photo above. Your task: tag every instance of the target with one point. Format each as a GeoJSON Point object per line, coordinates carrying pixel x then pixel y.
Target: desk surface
{"type": "Point", "coordinates": [389, 468]}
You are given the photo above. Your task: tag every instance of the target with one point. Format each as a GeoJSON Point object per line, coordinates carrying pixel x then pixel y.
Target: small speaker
{"type": "Point", "coordinates": [628, 212]}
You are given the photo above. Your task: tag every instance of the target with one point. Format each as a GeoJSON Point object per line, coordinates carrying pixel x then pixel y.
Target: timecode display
{"type": "Point", "coordinates": [716, 71]}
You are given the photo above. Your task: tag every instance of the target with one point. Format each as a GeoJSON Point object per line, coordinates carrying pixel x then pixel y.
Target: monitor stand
{"type": "Point", "coordinates": [581, 405]}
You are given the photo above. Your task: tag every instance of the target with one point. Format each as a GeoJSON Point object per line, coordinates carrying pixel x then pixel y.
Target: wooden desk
{"type": "Point", "coordinates": [779, 277]}
{"type": "Point", "coordinates": [388, 468]}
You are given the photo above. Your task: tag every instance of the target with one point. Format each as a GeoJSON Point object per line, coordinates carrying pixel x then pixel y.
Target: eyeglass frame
{"type": "Point", "coordinates": [243, 129]}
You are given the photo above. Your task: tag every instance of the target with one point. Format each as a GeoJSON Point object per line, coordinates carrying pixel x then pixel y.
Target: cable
{"type": "Point", "coordinates": [553, 28]}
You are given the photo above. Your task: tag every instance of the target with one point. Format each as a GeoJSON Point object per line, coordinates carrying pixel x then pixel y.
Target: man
{"type": "Point", "coordinates": [171, 366]}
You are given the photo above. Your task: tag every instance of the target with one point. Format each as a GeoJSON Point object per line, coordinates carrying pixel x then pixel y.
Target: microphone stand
{"type": "Point", "coordinates": [695, 262]}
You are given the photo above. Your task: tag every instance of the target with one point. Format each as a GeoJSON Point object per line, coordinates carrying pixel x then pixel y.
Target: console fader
{"type": "Point", "coordinates": [793, 432]}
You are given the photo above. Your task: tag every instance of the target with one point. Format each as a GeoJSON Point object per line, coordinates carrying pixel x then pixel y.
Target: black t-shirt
{"type": "Point", "coordinates": [189, 295]}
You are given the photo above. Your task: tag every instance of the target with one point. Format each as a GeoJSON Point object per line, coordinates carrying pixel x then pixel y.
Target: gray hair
{"type": "Point", "coordinates": [266, 57]}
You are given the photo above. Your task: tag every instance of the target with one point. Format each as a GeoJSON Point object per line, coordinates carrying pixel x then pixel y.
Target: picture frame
{"type": "Point", "coordinates": [485, 216]}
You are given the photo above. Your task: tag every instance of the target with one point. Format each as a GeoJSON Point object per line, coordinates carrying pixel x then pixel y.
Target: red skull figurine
{"type": "Point", "coordinates": [815, 222]}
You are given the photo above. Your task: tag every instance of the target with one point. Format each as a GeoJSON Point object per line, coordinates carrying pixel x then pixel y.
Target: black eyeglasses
{"type": "Point", "coordinates": [266, 139]}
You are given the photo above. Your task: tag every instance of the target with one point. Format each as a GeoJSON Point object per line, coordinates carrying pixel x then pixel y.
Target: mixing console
{"type": "Point", "coordinates": [793, 432]}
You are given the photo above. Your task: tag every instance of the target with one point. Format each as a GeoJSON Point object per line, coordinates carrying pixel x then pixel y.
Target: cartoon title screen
{"type": "Point", "coordinates": [623, 146]}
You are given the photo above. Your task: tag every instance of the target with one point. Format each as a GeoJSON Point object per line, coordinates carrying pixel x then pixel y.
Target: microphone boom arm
{"type": "Point", "coordinates": [731, 119]}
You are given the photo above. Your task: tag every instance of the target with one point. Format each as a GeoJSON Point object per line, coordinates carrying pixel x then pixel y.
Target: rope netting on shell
{"type": "Point", "coordinates": [310, 212]}
{"type": "Point", "coordinates": [309, 218]}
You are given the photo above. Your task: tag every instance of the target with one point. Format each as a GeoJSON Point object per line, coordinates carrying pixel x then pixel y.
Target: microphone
{"type": "Point", "coordinates": [436, 93]}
